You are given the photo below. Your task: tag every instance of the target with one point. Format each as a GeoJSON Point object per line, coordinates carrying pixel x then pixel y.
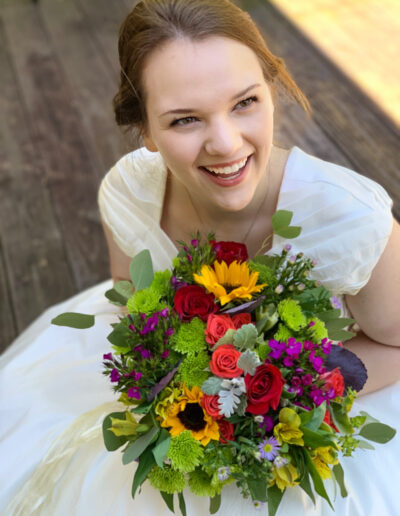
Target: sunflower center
{"type": "Point", "coordinates": [192, 417]}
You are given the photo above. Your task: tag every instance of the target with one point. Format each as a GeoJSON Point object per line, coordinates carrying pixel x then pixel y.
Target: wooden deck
{"type": "Point", "coordinates": [59, 71]}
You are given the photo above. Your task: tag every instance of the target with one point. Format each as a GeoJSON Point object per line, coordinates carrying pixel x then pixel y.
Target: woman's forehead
{"type": "Point", "coordinates": [186, 71]}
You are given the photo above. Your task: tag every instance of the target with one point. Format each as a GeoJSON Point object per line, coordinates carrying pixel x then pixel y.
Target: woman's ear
{"type": "Point", "coordinates": [147, 140]}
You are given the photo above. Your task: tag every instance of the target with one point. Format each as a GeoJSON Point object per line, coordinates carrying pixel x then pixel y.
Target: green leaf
{"type": "Point", "coordinates": [124, 289]}
{"type": "Point", "coordinates": [274, 499]}
{"type": "Point", "coordinates": [340, 417]}
{"type": "Point", "coordinates": [182, 505]}
{"type": "Point", "coordinates": [328, 315]}
{"type": "Point", "coordinates": [281, 224]}
{"type": "Point", "coordinates": [316, 478]}
{"type": "Point", "coordinates": [141, 270]}
{"type": "Point", "coordinates": [317, 416]}
{"type": "Point", "coordinates": [368, 417]}
{"type": "Point", "coordinates": [215, 503]}
{"type": "Point", "coordinates": [161, 448]}
{"type": "Point", "coordinates": [339, 475]}
{"type": "Point", "coordinates": [146, 463]}
{"type": "Point", "coordinates": [317, 439]}
{"type": "Point", "coordinates": [226, 339]}
{"type": "Point", "coordinates": [143, 408]}
{"type": "Point", "coordinates": [115, 298]}
{"type": "Point", "coordinates": [269, 261]}
{"type": "Point", "coordinates": [305, 484]}
{"type": "Point", "coordinates": [258, 489]}
{"type": "Point", "coordinates": [168, 499]}
{"type": "Point", "coordinates": [111, 441]}
{"type": "Point", "coordinates": [365, 445]}
{"type": "Point", "coordinates": [119, 336]}
{"type": "Point", "coordinates": [74, 320]}
{"type": "Point", "coordinates": [377, 432]}
{"type": "Point", "coordinates": [212, 385]}
{"type": "Point", "coordinates": [245, 337]}
{"type": "Point", "coordinates": [136, 448]}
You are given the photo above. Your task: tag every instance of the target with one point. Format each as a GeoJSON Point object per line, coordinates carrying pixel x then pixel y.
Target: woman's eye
{"type": "Point", "coordinates": [183, 121]}
{"type": "Point", "coordinates": [247, 102]}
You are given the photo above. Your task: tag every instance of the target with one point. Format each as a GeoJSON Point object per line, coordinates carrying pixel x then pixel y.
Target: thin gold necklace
{"type": "Point", "coordinates": [243, 240]}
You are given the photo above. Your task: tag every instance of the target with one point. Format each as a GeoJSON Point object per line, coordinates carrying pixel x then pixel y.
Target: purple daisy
{"type": "Point", "coordinates": [269, 448]}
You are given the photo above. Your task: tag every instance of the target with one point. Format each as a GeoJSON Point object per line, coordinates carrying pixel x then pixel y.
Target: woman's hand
{"type": "Point", "coordinates": [376, 308]}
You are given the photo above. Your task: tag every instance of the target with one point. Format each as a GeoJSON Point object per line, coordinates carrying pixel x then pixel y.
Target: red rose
{"type": "Point", "coordinates": [328, 420]}
{"type": "Point", "coordinates": [226, 430]}
{"type": "Point", "coordinates": [210, 405]}
{"type": "Point", "coordinates": [230, 251]}
{"type": "Point", "coordinates": [333, 380]}
{"type": "Point", "coordinates": [217, 326]}
{"type": "Point", "coordinates": [193, 301]}
{"type": "Point", "coordinates": [224, 362]}
{"type": "Point", "coordinates": [264, 389]}
{"type": "Point", "coordinates": [240, 319]}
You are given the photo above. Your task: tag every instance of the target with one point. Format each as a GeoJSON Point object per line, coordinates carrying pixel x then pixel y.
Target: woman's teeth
{"type": "Point", "coordinates": [227, 170]}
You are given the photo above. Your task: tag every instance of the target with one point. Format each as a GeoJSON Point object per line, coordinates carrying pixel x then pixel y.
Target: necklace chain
{"type": "Point", "coordinates": [253, 221]}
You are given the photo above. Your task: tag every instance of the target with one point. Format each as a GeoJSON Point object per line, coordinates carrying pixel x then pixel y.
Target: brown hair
{"type": "Point", "coordinates": [154, 22]}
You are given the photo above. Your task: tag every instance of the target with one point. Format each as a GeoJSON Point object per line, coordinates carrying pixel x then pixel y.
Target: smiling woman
{"type": "Point", "coordinates": [199, 84]}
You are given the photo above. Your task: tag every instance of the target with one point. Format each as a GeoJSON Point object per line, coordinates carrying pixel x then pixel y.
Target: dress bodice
{"type": "Point", "coordinates": [345, 217]}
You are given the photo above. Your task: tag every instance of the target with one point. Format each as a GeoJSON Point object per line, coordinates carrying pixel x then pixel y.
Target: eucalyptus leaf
{"type": "Point", "coordinates": [289, 232]}
{"type": "Point", "coordinates": [274, 499]}
{"type": "Point", "coordinates": [317, 416]}
{"type": "Point", "coordinates": [143, 408]}
{"type": "Point", "coordinates": [141, 270]}
{"type": "Point", "coordinates": [377, 432]}
{"type": "Point", "coordinates": [269, 261]}
{"type": "Point", "coordinates": [136, 448]}
{"type": "Point", "coordinates": [168, 499]}
{"type": "Point", "coordinates": [124, 289]}
{"type": "Point", "coordinates": [317, 439]}
{"type": "Point", "coordinates": [161, 448]}
{"type": "Point", "coordinates": [339, 475]}
{"type": "Point", "coordinates": [111, 441]}
{"type": "Point", "coordinates": [258, 490]}
{"type": "Point", "coordinates": [146, 463]}
{"type": "Point", "coordinates": [340, 417]}
{"type": "Point", "coordinates": [215, 503]}
{"type": "Point", "coordinates": [365, 445]}
{"type": "Point", "coordinates": [115, 298]}
{"type": "Point", "coordinates": [74, 320]}
{"type": "Point", "coordinates": [212, 385]}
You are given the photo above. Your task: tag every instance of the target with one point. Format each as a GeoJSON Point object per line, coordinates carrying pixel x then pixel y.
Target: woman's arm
{"type": "Point", "coordinates": [119, 262]}
{"type": "Point", "coordinates": [376, 308]}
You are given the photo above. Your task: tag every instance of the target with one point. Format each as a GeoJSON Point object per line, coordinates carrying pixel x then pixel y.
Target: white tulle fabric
{"type": "Point", "coordinates": [53, 396]}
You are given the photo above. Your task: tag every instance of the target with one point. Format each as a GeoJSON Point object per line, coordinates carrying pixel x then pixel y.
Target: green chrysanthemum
{"type": "Point", "coordinates": [191, 370]}
{"type": "Point", "coordinates": [189, 339]}
{"type": "Point", "coordinates": [145, 301]}
{"type": "Point", "coordinates": [291, 314]}
{"type": "Point", "coordinates": [266, 275]}
{"type": "Point", "coordinates": [318, 330]}
{"type": "Point", "coordinates": [283, 333]}
{"type": "Point", "coordinates": [161, 282]}
{"type": "Point", "coordinates": [168, 480]}
{"type": "Point", "coordinates": [185, 452]}
{"type": "Point", "coordinates": [200, 484]}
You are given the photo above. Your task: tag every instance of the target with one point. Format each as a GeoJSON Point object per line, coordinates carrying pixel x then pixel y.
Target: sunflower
{"type": "Point", "coordinates": [188, 414]}
{"type": "Point", "coordinates": [229, 282]}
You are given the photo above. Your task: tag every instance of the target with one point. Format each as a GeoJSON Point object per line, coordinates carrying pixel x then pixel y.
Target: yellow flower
{"type": "Point", "coordinates": [287, 430]}
{"type": "Point", "coordinates": [323, 456]}
{"type": "Point", "coordinates": [171, 394]}
{"type": "Point", "coordinates": [285, 476]}
{"type": "Point", "coordinates": [186, 413]}
{"type": "Point", "coordinates": [229, 282]}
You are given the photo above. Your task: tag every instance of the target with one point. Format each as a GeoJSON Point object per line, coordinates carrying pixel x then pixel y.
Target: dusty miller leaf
{"type": "Point", "coordinates": [248, 361]}
{"type": "Point", "coordinates": [245, 337]}
{"type": "Point", "coordinates": [211, 386]}
{"type": "Point", "coordinates": [228, 401]}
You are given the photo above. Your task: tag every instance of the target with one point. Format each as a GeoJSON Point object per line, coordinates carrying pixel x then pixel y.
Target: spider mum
{"type": "Point", "coordinates": [229, 282]}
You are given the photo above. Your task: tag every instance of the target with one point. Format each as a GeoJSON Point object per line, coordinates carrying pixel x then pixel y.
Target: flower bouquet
{"type": "Point", "coordinates": [229, 373]}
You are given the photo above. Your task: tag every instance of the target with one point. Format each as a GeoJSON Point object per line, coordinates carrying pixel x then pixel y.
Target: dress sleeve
{"type": "Point", "coordinates": [345, 217]}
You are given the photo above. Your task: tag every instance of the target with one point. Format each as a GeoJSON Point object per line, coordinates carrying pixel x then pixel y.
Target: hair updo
{"type": "Point", "coordinates": [152, 23]}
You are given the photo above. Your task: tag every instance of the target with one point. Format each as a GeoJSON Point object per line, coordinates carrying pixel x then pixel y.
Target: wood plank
{"type": "Point", "coordinates": [353, 123]}
{"type": "Point", "coordinates": [34, 273]}
{"type": "Point", "coordinates": [60, 141]}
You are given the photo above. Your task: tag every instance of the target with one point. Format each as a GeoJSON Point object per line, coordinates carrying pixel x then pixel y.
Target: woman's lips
{"type": "Point", "coordinates": [228, 179]}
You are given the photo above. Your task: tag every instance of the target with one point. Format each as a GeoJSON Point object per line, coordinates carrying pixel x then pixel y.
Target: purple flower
{"type": "Point", "coordinates": [142, 317]}
{"type": "Point", "coordinates": [317, 396]}
{"type": "Point", "coordinates": [165, 354]}
{"type": "Point", "coordinates": [335, 302]}
{"type": "Point", "coordinates": [194, 242]}
{"type": "Point", "coordinates": [269, 448]}
{"type": "Point", "coordinates": [297, 389]}
{"type": "Point", "coordinates": [294, 347]}
{"type": "Point", "coordinates": [164, 312]}
{"type": "Point", "coordinates": [308, 346]}
{"type": "Point", "coordinates": [223, 473]}
{"type": "Point", "coordinates": [131, 327]}
{"type": "Point", "coordinates": [287, 247]}
{"type": "Point", "coordinates": [326, 346]}
{"type": "Point", "coordinates": [287, 361]}
{"type": "Point", "coordinates": [151, 325]}
{"type": "Point", "coordinates": [134, 392]}
{"type": "Point", "coordinates": [134, 375]}
{"type": "Point", "coordinates": [138, 348]}
{"type": "Point", "coordinates": [169, 332]}
{"type": "Point", "coordinates": [315, 361]}
{"type": "Point", "coordinates": [146, 353]}
{"type": "Point", "coordinates": [186, 249]}
{"type": "Point", "coordinates": [277, 348]}
{"type": "Point", "coordinates": [299, 370]}
{"type": "Point", "coordinates": [311, 324]}
{"type": "Point", "coordinates": [115, 376]}
{"type": "Point", "coordinates": [279, 289]}
{"type": "Point", "coordinates": [306, 379]}
{"type": "Point", "coordinates": [314, 262]}
{"type": "Point", "coordinates": [296, 381]}
{"type": "Point", "coordinates": [107, 356]}
{"type": "Point", "coordinates": [267, 424]}
{"type": "Point", "coordinates": [189, 257]}
{"type": "Point", "coordinates": [258, 505]}
{"type": "Point", "coordinates": [292, 259]}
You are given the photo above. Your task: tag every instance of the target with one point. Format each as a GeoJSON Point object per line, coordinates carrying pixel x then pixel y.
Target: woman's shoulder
{"type": "Point", "coordinates": [345, 217]}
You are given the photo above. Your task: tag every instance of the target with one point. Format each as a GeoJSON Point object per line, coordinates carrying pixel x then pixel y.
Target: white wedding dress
{"type": "Point", "coordinates": [54, 397]}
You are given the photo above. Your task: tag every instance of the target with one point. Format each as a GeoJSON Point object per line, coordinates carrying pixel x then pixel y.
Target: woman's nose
{"type": "Point", "coordinates": [223, 138]}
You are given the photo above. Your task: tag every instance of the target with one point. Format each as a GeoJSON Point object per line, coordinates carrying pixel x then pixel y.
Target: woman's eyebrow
{"type": "Point", "coordinates": [190, 110]}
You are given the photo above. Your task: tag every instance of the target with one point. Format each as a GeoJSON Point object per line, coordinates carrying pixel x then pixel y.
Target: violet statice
{"type": "Point", "coordinates": [269, 448]}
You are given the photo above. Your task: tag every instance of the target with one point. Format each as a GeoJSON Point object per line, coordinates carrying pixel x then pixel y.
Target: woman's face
{"type": "Point", "coordinates": [209, 107]}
